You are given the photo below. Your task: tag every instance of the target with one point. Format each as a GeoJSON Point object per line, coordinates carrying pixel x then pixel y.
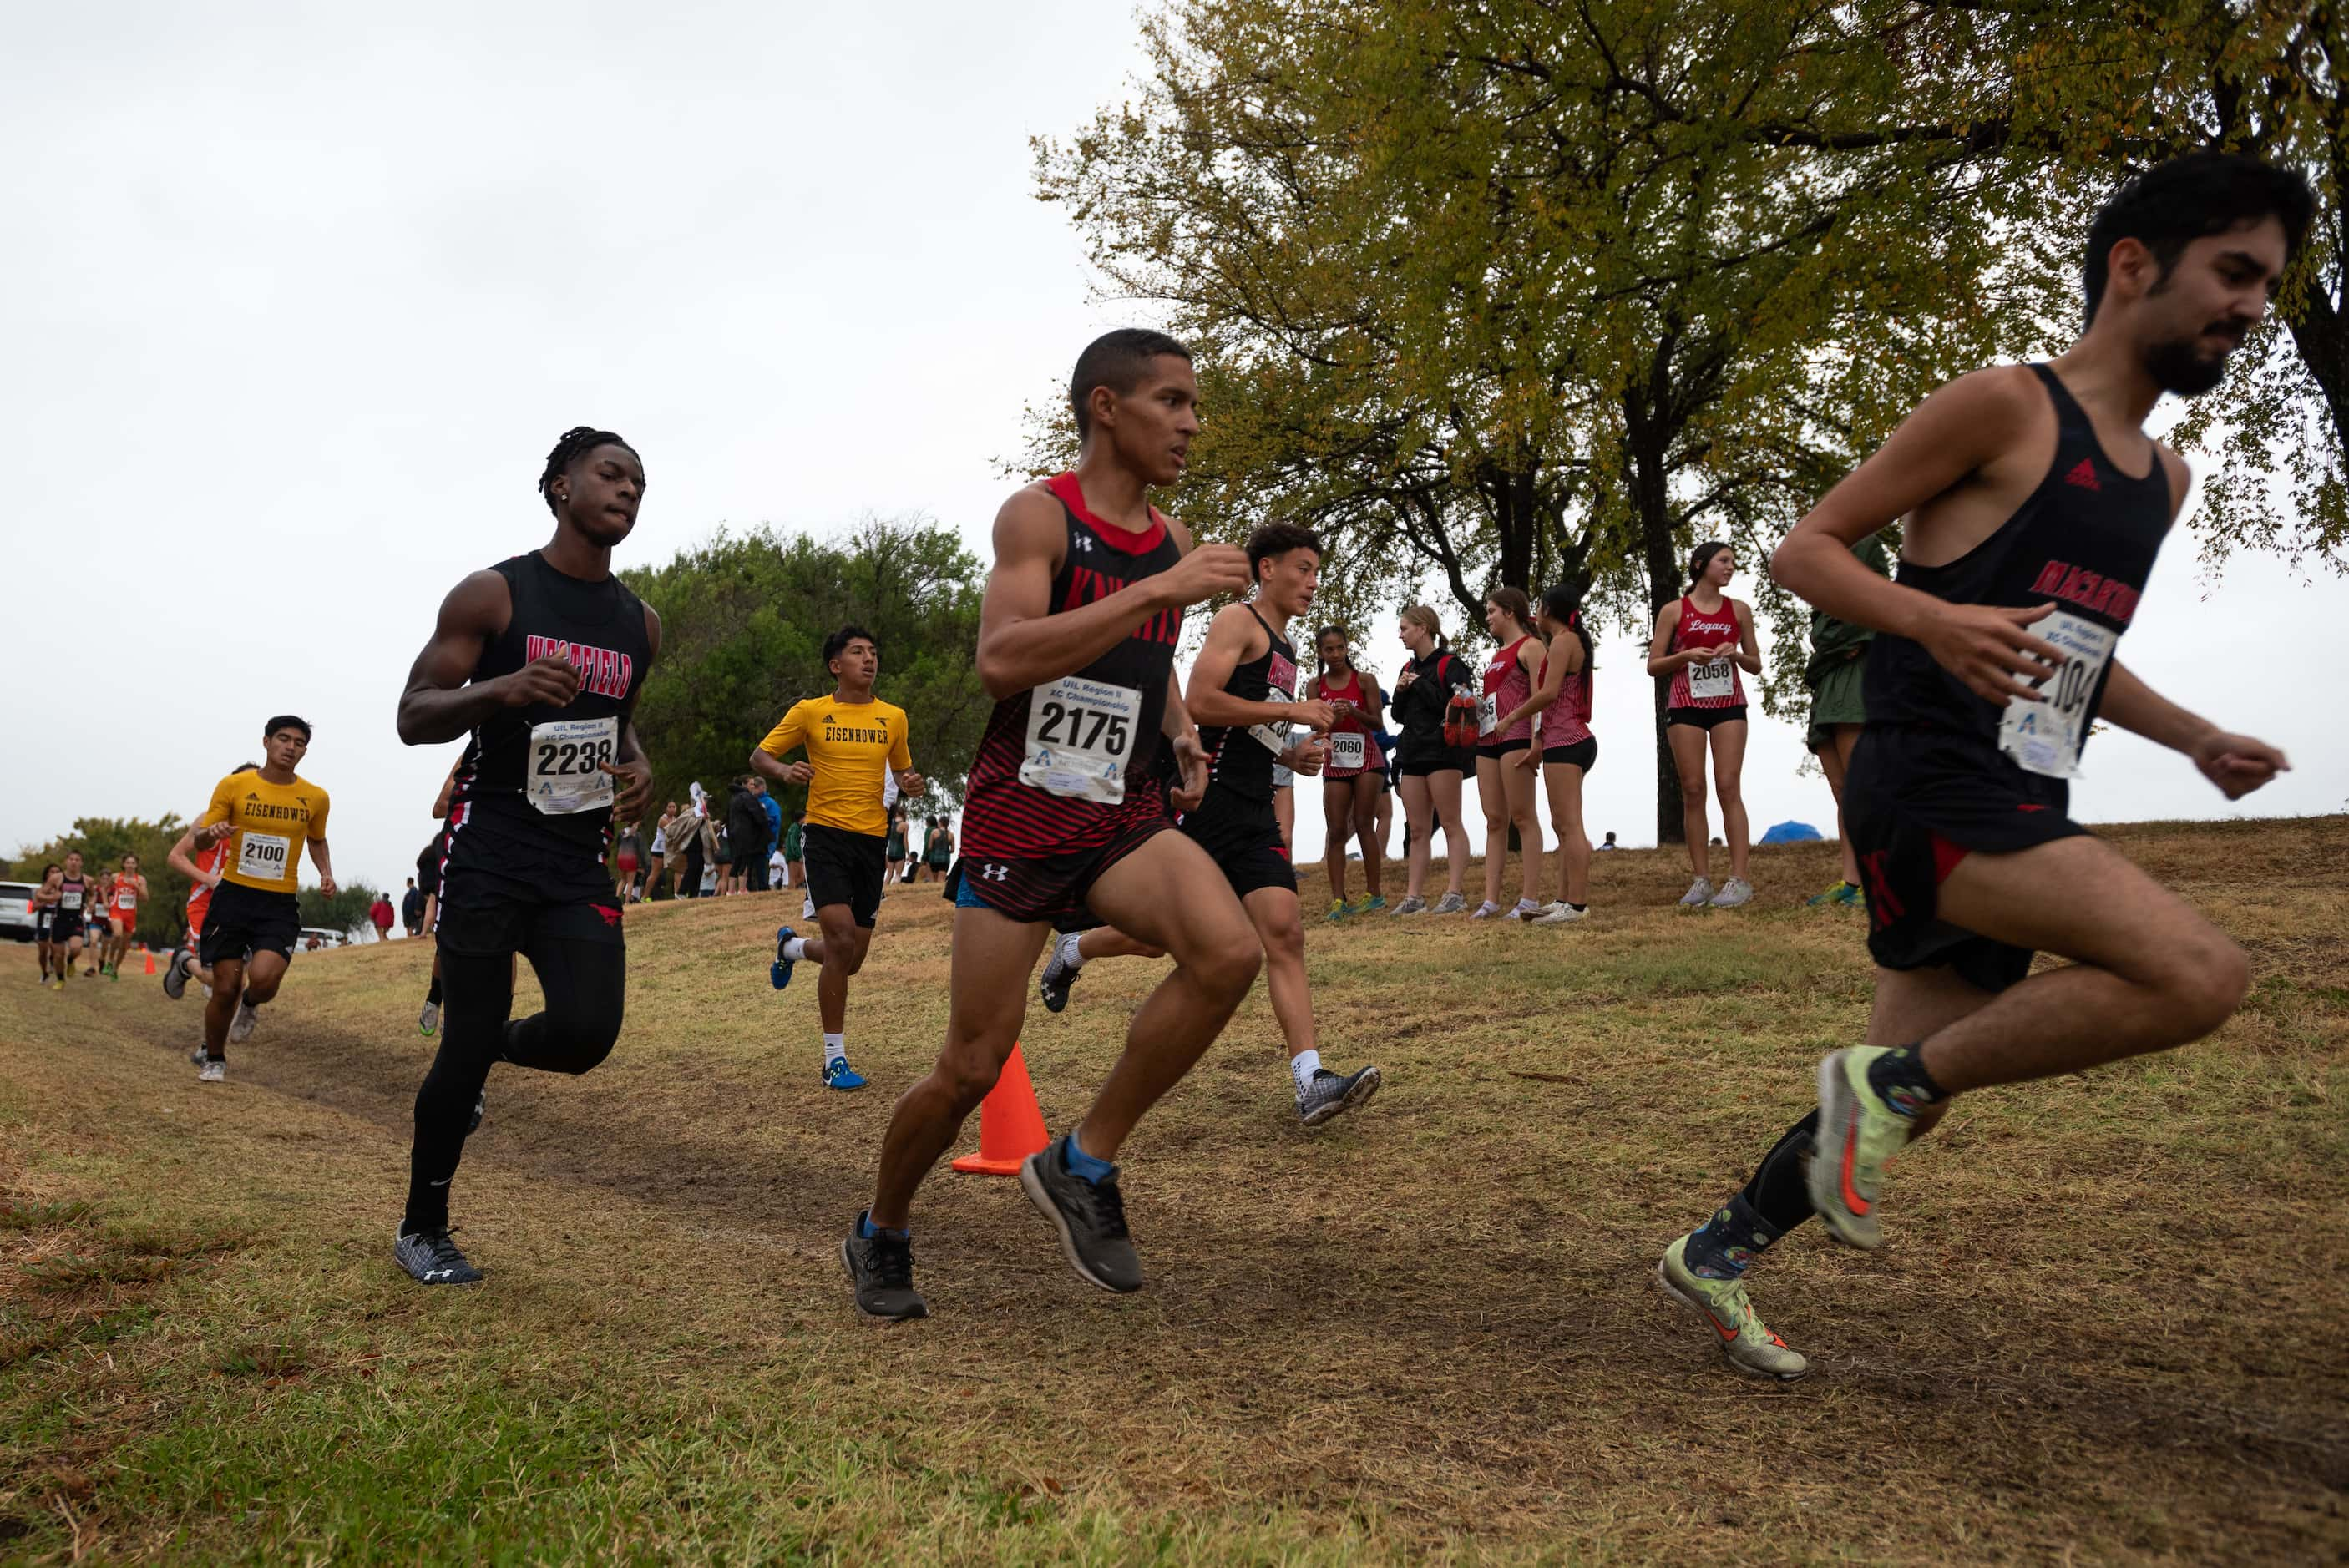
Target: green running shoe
{"type": "Point", "coordinates": [1841, 893]}
{"type": "Point", "coordinates": [1370, 904]}
{"type": "Point", "coordinates": [1857, 1137]}
{"type": "Point", "coordinates": [1744, 1337]}
{"type": "Point", "coordinates": [1338, 910]}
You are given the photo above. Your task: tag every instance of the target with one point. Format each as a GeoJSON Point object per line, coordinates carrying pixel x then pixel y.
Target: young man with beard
{"type": "Point", "coordinates": [2035, 504]}
{"type": "Point", "coordinates": [1082, 613]}
{"type": "Point", "coordinates": [540, 659]}
{"type": "Point", "coordinates": [1243, 695]}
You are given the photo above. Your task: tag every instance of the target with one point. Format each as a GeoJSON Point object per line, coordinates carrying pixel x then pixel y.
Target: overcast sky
{"type": "Point", "coordinates": [295, 299]}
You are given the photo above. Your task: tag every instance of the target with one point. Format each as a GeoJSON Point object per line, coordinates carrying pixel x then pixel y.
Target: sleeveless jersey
{"type": "Point", "coordinates": [206, 860]}
{"type": "Point", "coordinates": [1714, 683]}
{"type": "Point", "coordinates": [1507, 686]}
{"type": "Point", "coordinates": [529, 806]}
{"type": "Point", "coordinates": [1567, 721]}
{"type": "Point", "coordinates": [74, 900]}
{"type": "Point", "coordinates": [126, 895]}
{"type": "Point", "coordinates": [2086, 538]}
{"type": "Point", "coordinates": [1239, 757]}
{"type": "Point", "coordinates": [1064, 767]}
{"type": "Point", "coordinates": [1349, 757]}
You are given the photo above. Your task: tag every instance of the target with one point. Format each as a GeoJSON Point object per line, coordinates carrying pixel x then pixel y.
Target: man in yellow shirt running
{"type": "Point", "coordinates": [253, 919]}
{"type": "Point", "coordinates": [854, 741]}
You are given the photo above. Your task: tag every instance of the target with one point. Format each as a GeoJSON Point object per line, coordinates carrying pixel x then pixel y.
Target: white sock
{"type": "Point", "coordinates": [1071, 958]}
{"type": "Point", "coordinates": [1302, 1066]}
{"type": "Point", "coordinates": [795, 949]}
{"type": "Point", "coordinates": [835, 1048]}
{"type": "Point", "coordinates": [1527, 904]}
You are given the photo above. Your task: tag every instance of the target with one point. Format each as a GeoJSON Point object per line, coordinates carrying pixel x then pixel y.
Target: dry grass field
{"type": "Point", "coordinates": [2106, 1325]}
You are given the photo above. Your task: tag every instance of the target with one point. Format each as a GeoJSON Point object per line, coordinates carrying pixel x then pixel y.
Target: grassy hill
{"type": "Point", "coordinates": [2106, 1325]}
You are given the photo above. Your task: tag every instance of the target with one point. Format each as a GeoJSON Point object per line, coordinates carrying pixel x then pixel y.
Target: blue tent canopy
{"type": "Point", "coordinates": [1791, 833]}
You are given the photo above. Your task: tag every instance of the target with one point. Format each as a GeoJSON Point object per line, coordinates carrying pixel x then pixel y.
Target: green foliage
{"type": "Point", "coordinates": [344, 911]}
{"type": "Point", "coordinates": [103, 841]}
{"type": "Point", "coordinates": [743, 620]}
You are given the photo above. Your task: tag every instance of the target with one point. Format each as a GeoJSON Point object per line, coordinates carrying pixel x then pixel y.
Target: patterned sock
{"type": "Point", "coordinates": [835, 1048]}
{"type": "Point", "coordinates": [1900, 1082]}
{"type": "Point", "coordinates": [1725, 1244]}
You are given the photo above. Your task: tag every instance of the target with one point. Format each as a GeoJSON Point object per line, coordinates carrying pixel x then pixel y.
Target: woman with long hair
{"type": "Point", "coordinates": [1349, 781]}
{"type": "Point", "coordinates": [1505, 727]}
{"type": "Point", "coordinates": [1702, 641]}
{"type": "Point", "coordinates": [1567, 749]}
{"type": "Point", "coordinates": [1433, 759]}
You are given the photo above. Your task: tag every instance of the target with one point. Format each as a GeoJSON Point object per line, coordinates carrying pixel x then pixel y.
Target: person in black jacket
{"type": "Point", "coordinates": [1432, 760]}
{"type": "Point", "coordinates": [746, 836]}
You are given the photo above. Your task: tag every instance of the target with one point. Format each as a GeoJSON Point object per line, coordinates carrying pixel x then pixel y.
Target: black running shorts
{"type": "Point", "coordinates": [1704, 717]}
{"type": "Point", "coordinates": [240, 921]}
{"type": "Point", "coordinates": [845, 868]}
{"type": "Point", "coordinates": [1243, 837]}
{"type": "Point", "coordinates": [499, 922]}
{"type": "Point", "coordinates": [1916, 802]}
{"type": "Point", "coordinates": [1501, 748]}
{"type": "Point", "coordinates": [1048, 887]}
{"type": "Point", "coordinates": [1582, 754]}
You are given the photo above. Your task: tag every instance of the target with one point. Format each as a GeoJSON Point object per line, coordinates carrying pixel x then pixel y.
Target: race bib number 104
{"type": "Point", "coordinates": [566, 765]}
{"type": "Point", "coordinates": [1079, 734]}
{"type": "Point", "coordinates": [2045, 736]}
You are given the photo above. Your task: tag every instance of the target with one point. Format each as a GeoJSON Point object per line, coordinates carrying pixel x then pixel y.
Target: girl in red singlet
{"type": "Point", "coordinates": [1567, 751]}
{"type": "Point", "coordinates": [1351, 779]}
{"type": "Point", "coordinates": [1702, 642]}
{"type": "Point", "coordinates": [1505, 725]}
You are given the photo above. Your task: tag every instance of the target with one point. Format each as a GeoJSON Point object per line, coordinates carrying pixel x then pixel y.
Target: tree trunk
{"type": "Point", "coordinates": [1647, 439]}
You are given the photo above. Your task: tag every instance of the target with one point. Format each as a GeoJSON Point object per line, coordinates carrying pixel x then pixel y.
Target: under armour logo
{"type": "Point", "coordinates": [1085, 541]}
{"type": "Point", "coordinates": [2083, 475]}
{"type": "Point", "coordinates": [995, 873]}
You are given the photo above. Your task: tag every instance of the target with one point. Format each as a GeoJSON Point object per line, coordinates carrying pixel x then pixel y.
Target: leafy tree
{"type": "Point", "coordinates": [743, 620]}
{"type": "Point", "coordinates": [1530, 291]}
{"type": "Point", "coordinates": [346, 910]}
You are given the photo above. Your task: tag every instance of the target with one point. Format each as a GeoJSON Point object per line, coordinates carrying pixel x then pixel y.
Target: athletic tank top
{"type": "Point", "coordinates": [1239, 757]}
{"type": "Point", "coordinates": [126, 893]}
{"type": "Point", "coordinates": [73, 898]}
{"type": "Point", "coordinates": [207, 858]}
{"type": "Point", "coordinates": [529, 797]}
{"type": "Point", "coordinates": [2084, 540]}
{"type": "Point", "coordinates": [1567, 721]}
{"type": "Point", "coordinates": [1714, 683]}
{"type": "Point", "coordinates": [1062, 767]}
{"type": "Point", "coordinates": [1353, 745]}
{"type": "Point", "coordinates": [1507, 686]}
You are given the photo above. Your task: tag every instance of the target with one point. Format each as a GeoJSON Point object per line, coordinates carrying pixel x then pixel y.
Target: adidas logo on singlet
{"type": "Point", "coordinates": [2083, 475]}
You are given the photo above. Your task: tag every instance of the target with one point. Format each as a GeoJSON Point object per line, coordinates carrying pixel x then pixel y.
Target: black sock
{"type": "Point", "coordinates": [432, 995]}
{"type": "Point", "coordinates": [1773, 1201]}
{"type": "Point", "coordinates": [1900, 1079]}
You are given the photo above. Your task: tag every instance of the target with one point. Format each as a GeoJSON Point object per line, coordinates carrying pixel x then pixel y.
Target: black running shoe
{"type": "Point", "coordinates": [880, 1275]}
{"type": "Point", "coordinates": [175, 979]}
{"type": "Point", "coordinates": [1089, 1215]}
{"type": "Point", "coordinates": [431, 1258]}
{"type": "Point", "coordinates": [1332, 1094]}
{"type": "Point", "coordinates": [1057, 979]}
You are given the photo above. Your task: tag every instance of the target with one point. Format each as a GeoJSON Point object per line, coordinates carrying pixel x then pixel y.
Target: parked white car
{"type": "Point", "coordinates": [17, 910]}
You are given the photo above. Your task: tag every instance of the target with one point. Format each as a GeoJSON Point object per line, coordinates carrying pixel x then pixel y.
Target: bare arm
{"type": "Point", "coordinates": [448, 790]}
{"type": "Point", "coordinates": [1230, 637]}
{"type": "Point", "coordinates": [439, 705]}
{"type": "Point", "coordinates": [1023, 644]}
{"type": "Point", "coordinates": [2237, 764]}
{"type": "Point", "coordinates": [1952, 435]}
{"type": "Point", "coordinates": [1545, 690]}
{"type": "Point", "coordinates": [1749, 650]}
{"type": "Point", "coordinates": [320, 858]}
{"type": "Point", "coordinates": [177, 857]}
{"type": "Point", "coordinates": [1661, 660]}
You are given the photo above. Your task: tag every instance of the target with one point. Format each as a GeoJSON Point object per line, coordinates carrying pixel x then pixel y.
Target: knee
{"type": "Point", "coordinates": [582, 1039]}
{"type": "Point", "coordinates": [966, 1077]}
{"type": "Point", "coordinates": [2207, 984]}
{"type": "Point", "coordinates": [1731, 793]}
{"type": "Point", "coordinates": [1228, 964]}
{"type": "Point", "coordinates": [259, 989]}
{"type": "Point", "coordinates": [1693, 791]}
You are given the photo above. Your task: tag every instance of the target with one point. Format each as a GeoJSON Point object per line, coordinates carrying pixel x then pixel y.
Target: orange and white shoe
{"type": "Point", "coordinates": [1742, 1335]}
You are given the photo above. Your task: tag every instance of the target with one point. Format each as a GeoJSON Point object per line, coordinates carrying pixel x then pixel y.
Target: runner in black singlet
{"type": "Point", "coordinates": [1077, 636]}
{"type": "Point", "coordinates": [74, 904]}
{"type": "Point", "coordinates": [1243, 690]}
{"type": "Point", "coordinates": [2035, 504]}
{"type": "Point", "coordinates": [540, 658]}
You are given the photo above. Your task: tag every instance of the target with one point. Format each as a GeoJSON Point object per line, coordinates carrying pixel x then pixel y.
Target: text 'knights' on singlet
{"type": "Point", "coordinates": [1240, 757]}
{"type": "Point", "coordinates": [272, 822]}
{"type": "Point", "coordinates": [2086, 538]}
{"type": "Point", "coordinates": [1061, 766]}
{"type": "Point", "coordinates": [531, 803]}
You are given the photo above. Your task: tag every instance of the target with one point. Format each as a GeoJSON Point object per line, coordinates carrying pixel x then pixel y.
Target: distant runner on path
{"type": "Point", "coordinates": [2037, 504]}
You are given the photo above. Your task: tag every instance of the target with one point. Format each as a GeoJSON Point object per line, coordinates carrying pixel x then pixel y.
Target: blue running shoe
{"type": "Point", "coordinates": [779, 973]}
{"type": "Point", "coordinates": [838, 1074]}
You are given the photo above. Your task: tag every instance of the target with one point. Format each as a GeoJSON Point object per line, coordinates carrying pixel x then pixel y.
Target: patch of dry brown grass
{"type": "Point", "coordinates": [2104, 1327]}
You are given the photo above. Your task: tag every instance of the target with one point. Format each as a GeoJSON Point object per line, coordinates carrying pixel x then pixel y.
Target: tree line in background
{"type": "Point", "coordinates": [163, 912]}
{"type": "Point", "coordinates": [1539, 290]}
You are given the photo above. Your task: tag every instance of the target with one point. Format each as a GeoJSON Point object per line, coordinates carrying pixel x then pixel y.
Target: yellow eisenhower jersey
{"type": "Point", "coordinates": [271, 822]}
{"type": "Point", "coordinates": [852, 746]}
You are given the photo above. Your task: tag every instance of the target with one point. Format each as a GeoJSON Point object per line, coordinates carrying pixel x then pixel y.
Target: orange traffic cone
{"type": "Point", "coordinates": [150, 956]}
{"type": "Point", "coordinates": [1010, 1124]}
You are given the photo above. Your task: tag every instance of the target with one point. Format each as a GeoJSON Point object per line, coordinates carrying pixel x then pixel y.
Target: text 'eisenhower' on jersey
{"type": "Point", "coordinates": [1087, 586]}
{"type": "Point", "coordinates": [601, 670]}
{"type": "Point", "coordinates": [2090, 590]}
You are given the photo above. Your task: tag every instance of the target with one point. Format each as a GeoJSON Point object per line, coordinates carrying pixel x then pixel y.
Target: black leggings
{"type": "Point", "coordinates": [1777, 1190]}
{"type": "Point", "coordinates": [586, 984]}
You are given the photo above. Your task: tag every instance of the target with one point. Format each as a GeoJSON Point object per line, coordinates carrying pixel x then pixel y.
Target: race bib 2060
{"type": "Point", "coordinates": [1348, 751]}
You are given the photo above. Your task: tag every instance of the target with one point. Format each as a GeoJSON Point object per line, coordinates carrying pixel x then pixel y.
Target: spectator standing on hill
{"type": "Point", "coordinates": [411, 908]}
{"type": "Point", "coordinates": [381, 915]}
{"type": "Point", "coordinates": [1839, 706]}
